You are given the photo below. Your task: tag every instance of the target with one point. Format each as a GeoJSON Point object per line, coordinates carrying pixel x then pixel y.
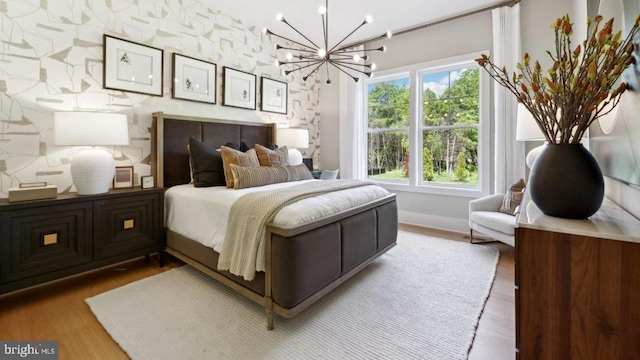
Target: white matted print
{"type": "Point", "coordinates": [273, 96]}
{"type": "Point", "coordinates": [133, 67]}
{"type": "Point", "coordinates": [193, 79]}
{"type": "Point", "coordinates": [239, 89]}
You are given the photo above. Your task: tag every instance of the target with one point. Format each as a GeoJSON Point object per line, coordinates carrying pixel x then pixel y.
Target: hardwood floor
{"type": "Point", "coordinates": [57, 311]}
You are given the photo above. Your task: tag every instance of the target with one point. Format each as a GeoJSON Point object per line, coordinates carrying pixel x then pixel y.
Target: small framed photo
{"type": "Point", "coordinates": [273, 95]}
{"type": "Point", "coordinates": [123, 177]}
{"type": "Point", "coordinates": [193, 79]}
{"type": "Point", "coordinates": [132, 67]}
{"type": "Point", "coordinates": [239, 89]}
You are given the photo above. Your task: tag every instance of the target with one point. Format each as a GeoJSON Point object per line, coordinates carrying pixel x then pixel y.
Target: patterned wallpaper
{"type": "Point", "coordinates": [51, 60]}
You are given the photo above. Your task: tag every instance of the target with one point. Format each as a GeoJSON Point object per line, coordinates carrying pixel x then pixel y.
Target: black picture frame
{"type": "Point", "coordinates": [238, 89]}
{"type": "Point", "coordinates": [132, 67]}
{"type": "Point", "coordinates": [274, 95]}
{"type": "Point", "coordinates": [193, 79]}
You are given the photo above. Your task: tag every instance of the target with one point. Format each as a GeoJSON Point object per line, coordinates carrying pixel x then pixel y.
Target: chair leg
{"type": "Point", "coordinates": [471, 235]}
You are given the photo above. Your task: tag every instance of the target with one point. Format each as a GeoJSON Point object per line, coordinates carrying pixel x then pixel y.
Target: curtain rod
{"type": "Point", "coordinates": [456, 17]}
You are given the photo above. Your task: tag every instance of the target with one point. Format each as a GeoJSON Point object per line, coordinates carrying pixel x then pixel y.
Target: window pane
{"type": "Point", "coordinates": [388, 156]}
{"type": "Point", "coordinates": [451, 97]}
{"type": "Point", "coordinates": [388, 106]}
{"type": "Point", "coordinates": [450, 156]}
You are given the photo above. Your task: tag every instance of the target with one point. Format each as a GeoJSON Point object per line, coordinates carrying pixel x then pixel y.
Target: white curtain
{"type": "Point", "coordinates": [509, 153]}
{"type": "Point", "coordinates": [353, 142]}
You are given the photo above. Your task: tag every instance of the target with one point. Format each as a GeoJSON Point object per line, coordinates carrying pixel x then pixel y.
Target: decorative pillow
{"type": "Point", "coordinates": [234, 146]}
{"type": "Point", "coordinates": [298, 172]}
{"type": "Point", "coordinates": [252, 176]}
{"type": "Point", "coordinates": [230, 156]}
{"type": "Point", "coordinates": [206, 164]}
{"type": "Point", "coordinates": [277, 157]}
{"type": "Point", "coordinates": [513, 198]}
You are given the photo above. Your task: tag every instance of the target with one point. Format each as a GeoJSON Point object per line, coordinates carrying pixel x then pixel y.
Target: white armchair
{"type": "Point", "coordinates": [486, 218]}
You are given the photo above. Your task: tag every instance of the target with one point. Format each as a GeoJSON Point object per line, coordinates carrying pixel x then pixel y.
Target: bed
{"type": "Point", "coordinates": [303, 261]}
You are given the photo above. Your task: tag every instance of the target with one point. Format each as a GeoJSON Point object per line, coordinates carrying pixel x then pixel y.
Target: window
{"type": "Point", "coordinates": [427, 127]}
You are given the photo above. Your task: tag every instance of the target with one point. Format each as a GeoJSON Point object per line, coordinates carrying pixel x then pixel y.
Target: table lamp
{"type": "Point", "coordinates": [527, 130]}
{"type": "Point", "coordinates": [92, 169]}
{"type": "Point", "coordinates": [294, 139]}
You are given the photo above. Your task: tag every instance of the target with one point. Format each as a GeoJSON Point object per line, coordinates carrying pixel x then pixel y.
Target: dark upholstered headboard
{"type": "Point", "coordinates": [170, 156]}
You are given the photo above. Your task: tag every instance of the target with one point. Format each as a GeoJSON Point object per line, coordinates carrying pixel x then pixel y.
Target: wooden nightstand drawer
{"type": "Point", "coordinates": [42, 240]}
{"type": "Point", "coordinates": [126, 225]}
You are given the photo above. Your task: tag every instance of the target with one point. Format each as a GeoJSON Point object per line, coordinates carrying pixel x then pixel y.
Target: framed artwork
{"type": "Point", "coordinates": [132, 67]}
{"type": "Point", "coordinates": [273, 95]}
{"type": "Point", "coordinates": [193, 79]}
{"type": "Point", "coordinates": [123, 177]}
{"type": "Point", "coordinates": [239, 89]}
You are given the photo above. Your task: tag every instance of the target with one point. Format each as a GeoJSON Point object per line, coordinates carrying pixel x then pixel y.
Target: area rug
{"type": "Point", "coordinates": [420, 300]}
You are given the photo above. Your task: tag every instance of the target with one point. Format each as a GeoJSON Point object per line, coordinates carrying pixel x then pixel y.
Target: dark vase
{"type": "Point", "coordinates": [566, 182]}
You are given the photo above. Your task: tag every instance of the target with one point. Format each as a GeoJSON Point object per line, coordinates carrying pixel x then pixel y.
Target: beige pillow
{"type": "Point", "coordinates": [268, 157]}
{"type": "Point", "coordinates": [230, 156]}
{"type": "Point", "coordinates": [298, 172]}
{"type": "Point", "coordinates": [252, 176]}
{"type": "Point", "coordinates": [513, 198]}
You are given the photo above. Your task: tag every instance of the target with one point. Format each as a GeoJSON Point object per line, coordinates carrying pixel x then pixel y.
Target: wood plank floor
{"type": "Point", "coordinates": [57, 311]}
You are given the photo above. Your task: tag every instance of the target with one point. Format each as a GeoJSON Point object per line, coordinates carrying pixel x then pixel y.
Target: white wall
{"type": "Point", "coordinates": [329, 122]}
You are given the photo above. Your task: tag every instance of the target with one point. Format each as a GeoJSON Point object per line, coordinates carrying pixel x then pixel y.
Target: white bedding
{"type": "Point", "coordinates": [201, 214]}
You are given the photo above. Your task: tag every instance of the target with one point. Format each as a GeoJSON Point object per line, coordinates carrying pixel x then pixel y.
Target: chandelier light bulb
{"type": "Point", "coordinates": [373, 66]}
{"type": "Point", "coordinates": [322, 53]}
{"type": "Point", "coordinates": [277, 63]}
{"type": "Point", "coordinates": [368, 19]}
{"type": "Point", "coordinates": [279, 17]}
{"type": "Point", "coordinates": [289, 56]}
{"type": "Point", "coordinates": [384, 48]}
{"type": "Point", "coordinates": [356, 57]}
{"type": "Point", "coordinates": [388, 34]}
{"type": "Point", "coordinates": [264, 31]}
{"type": "Point", "coordinates": [322, 10]}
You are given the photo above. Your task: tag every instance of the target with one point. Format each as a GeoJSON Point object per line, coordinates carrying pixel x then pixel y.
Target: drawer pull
{"type": "Point", "coordinates": [128, 224]}
{"type": "Point", "coordinates": [50, 239]}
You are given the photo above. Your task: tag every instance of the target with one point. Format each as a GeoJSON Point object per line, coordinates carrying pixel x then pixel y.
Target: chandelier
{"type": "Point", "coordinates": [310, 56]}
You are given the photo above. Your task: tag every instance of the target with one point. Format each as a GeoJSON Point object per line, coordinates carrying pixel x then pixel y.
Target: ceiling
{"type": "Point", "coordinates": [345, 15]}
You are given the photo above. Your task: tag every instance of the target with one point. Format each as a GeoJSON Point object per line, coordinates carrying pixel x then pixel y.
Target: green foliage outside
{"type": "Point", "coordinates": [451, 128]}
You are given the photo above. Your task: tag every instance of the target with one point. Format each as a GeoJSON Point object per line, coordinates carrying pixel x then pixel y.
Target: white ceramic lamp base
{"type": "Point", "coordinates": [295, 157]}
{"type": "Point", "coordinates": [92, 171]}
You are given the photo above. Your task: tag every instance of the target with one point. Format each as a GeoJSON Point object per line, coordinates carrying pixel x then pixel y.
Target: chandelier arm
{"type": "Point", "coordinates": [295, 49]}
{"type": "Point", "coordinates": [351, 68]}
{"type": "Point", "coordinates": [301, 34]}
{"type": "Point", "coordinates": [314, 70]}
{"type": "Point", "coordinates": [287, 72]}
{"type": "Point", "coordinates": [269, 32]}
{"type": "Point", "coordinates": [326, 28]}
{"type": "Point", "coordinates": [342, 51]}
{"type": "Point", "coordinates": [351, 63]}
{"type": "Point", "coordinates": [302, 61]}
{"type": "Point", "coordinates": [338, 67]}
{"type": "Point", "coordinates": [345, 38]}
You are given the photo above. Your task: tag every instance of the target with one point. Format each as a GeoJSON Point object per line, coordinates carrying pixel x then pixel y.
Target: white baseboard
{"type": "Point", "coordinates": [433, 221]}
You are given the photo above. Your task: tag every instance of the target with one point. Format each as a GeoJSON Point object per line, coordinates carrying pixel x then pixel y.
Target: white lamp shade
{"type": "Point", "coordinates": [92, 169]}
{"type": "Point", "coordinates": [526, 126]}
{"type": "Point", "coordinates": [293, 138]}
{"type": "Point", "coordinates": [90, 128]}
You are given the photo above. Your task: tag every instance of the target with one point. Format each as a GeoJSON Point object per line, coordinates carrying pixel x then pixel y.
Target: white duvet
{"type": "Point", "coordinates": [201, 214]}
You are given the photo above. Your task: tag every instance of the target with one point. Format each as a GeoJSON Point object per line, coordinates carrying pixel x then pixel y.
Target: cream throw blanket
{"type": "Point", "coordinates": [243, 250]}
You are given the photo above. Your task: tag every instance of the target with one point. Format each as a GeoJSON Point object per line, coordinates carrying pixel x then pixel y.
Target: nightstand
{"type": "Point", "coordinates": [44, 240]}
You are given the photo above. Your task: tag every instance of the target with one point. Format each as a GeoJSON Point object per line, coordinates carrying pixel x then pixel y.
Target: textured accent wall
{"type": "Point", "coordinates": [51, 60]}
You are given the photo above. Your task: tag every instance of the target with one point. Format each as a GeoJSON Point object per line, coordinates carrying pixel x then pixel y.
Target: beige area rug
{"type": "Point", "coordinates": [421, 300]}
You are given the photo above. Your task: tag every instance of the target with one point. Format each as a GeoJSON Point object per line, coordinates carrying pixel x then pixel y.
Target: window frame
{"type": "Point", "coordinates": [416, 126]}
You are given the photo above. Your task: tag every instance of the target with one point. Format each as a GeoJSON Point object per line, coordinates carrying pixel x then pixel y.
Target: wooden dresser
{"type": "Point", "coordinates": [577, 285]}
{"type": "Point", "coordinates": [44, 240]}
